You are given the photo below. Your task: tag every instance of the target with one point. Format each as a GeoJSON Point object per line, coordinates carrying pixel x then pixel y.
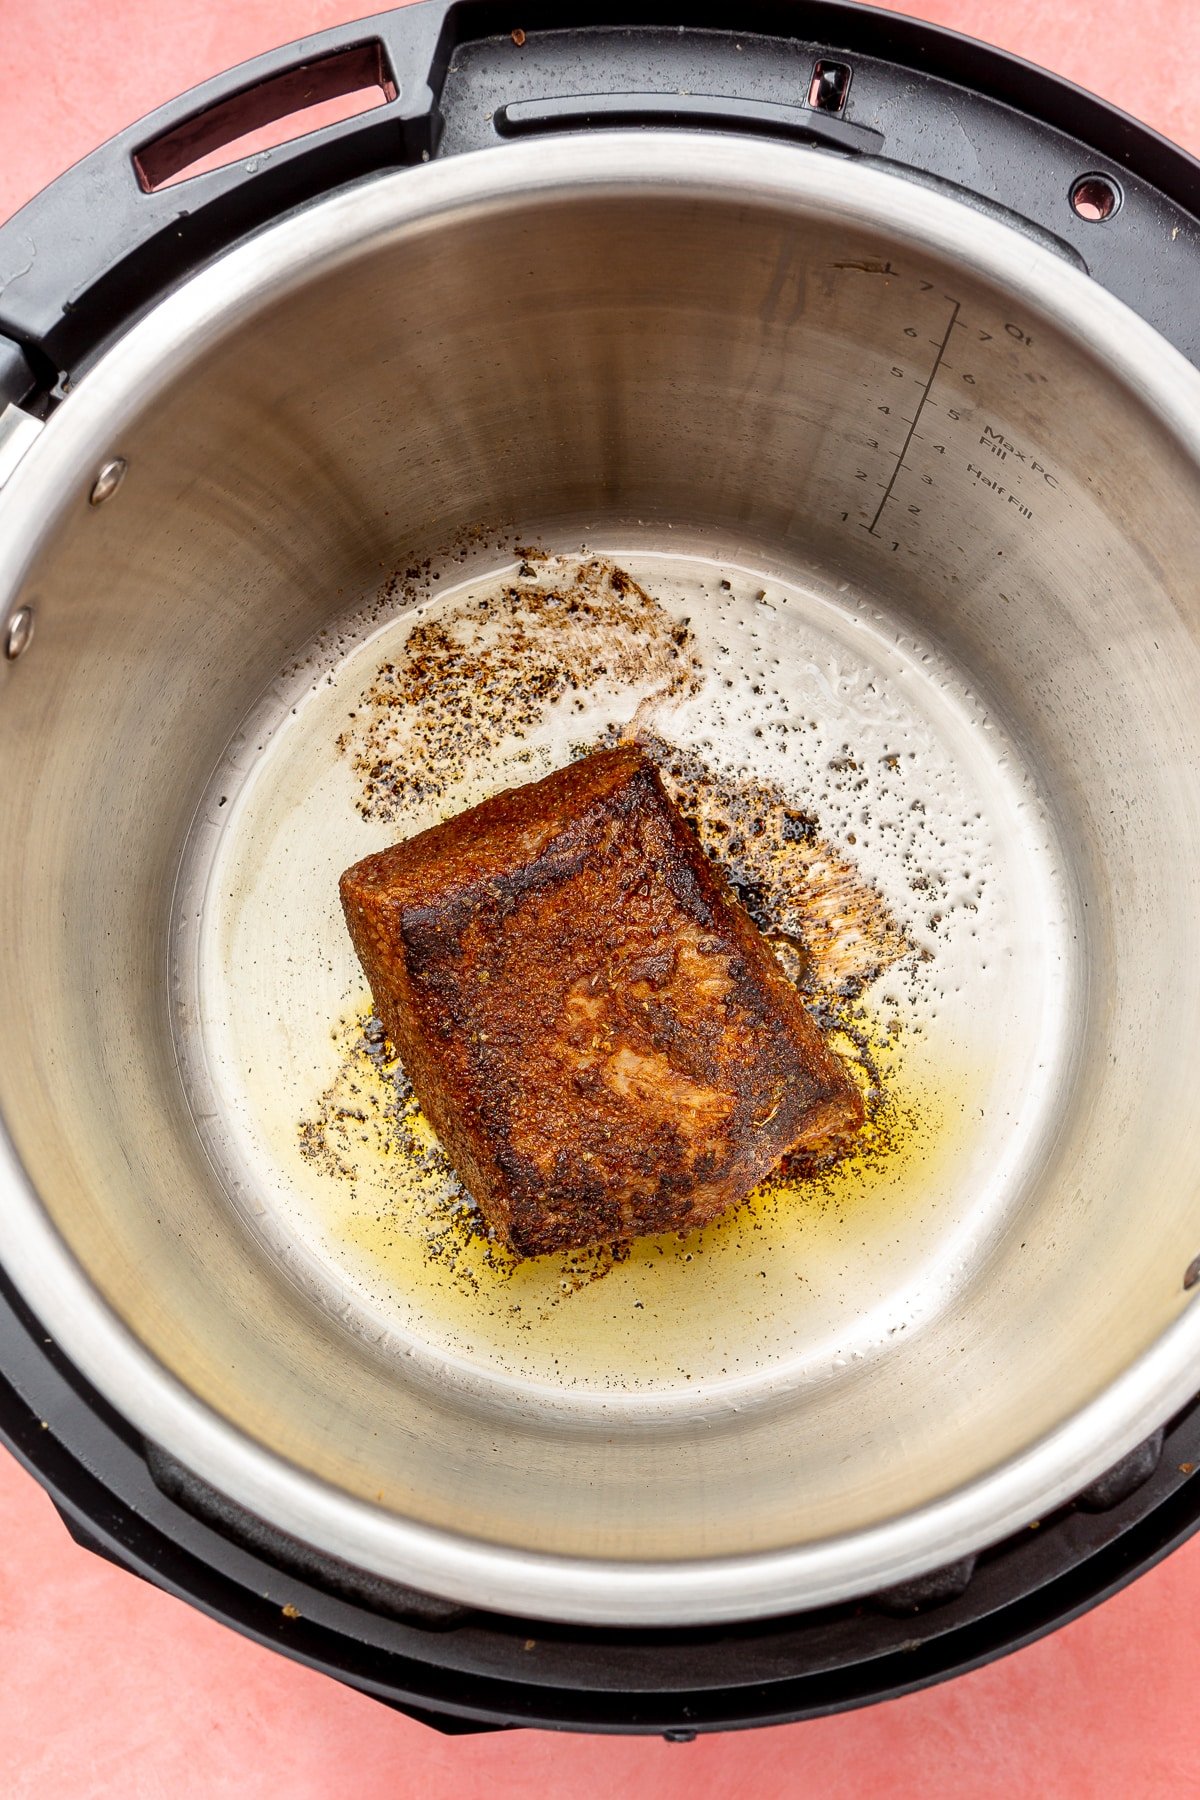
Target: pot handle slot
{"type": "Point", "coordinates": [140, 213]}
{"type": "Point", "coordinates": [287, 105]}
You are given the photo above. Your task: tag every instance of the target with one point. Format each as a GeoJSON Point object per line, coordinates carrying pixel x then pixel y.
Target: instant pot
{"type": "Point", "coordinates": [858, 310]}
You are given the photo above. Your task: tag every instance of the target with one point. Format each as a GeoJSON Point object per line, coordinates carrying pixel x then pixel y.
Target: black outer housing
{"type": "Point", "coordinates": [77, 266]}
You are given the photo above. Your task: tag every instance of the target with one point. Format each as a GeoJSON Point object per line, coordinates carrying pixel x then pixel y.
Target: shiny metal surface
{"type": "Point", "coordinates": [18, 634]}
{"type": "Point", "coordinates": [620, 335]}
{"type": "Point", "coordinates": [108, 480]}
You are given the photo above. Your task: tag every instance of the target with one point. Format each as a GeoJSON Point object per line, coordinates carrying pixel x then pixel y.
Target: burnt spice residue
{"type": "Point", "coordinates": [481, 673]}
{"type": "Point", "coordinates": [832, 931]}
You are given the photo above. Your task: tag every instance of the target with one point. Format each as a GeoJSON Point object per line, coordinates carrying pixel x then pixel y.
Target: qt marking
{"type": "Point", "coordinates": [929, 381]}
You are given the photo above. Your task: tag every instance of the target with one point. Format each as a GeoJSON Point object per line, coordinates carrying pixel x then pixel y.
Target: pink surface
{"type": "Point", "coordinates": [111, 1688]}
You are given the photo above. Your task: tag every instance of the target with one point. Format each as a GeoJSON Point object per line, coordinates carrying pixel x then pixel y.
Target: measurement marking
{"type": "Point", "coordinates": [937, 363]}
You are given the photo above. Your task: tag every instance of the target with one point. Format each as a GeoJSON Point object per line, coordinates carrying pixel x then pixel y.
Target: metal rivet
{"type": "Point", "coordinates": [111, 475]}
{"type": "Point", "coordinates": [18, 633]}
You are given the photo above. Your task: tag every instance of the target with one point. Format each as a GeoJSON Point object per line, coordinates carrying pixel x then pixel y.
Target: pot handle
{"type": "Point", "coordinates": [103, 239]}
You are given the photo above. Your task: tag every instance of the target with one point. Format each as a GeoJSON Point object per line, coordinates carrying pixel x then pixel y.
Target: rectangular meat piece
{"type": "Point", "coordinates": [596, 1030]}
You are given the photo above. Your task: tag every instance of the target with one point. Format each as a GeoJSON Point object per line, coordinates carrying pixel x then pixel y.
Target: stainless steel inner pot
{"type": "Point", "coordinates": [777, 359]}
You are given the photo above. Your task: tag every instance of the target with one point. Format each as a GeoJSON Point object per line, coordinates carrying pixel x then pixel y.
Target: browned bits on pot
{"type": "Point", "coordinates": [483, 674]}
{"type": "Point", "coordinates": [832, 931]}
{"type": "Point", "coordinates": [518, 37]}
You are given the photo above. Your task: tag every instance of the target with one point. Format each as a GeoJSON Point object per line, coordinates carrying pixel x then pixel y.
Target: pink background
{"type": "Point", "coordinates": [109, 1687]}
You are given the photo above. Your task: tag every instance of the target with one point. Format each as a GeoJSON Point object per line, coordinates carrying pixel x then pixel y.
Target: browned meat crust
{"type": "Point", "coordinates": [596, 1030]}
